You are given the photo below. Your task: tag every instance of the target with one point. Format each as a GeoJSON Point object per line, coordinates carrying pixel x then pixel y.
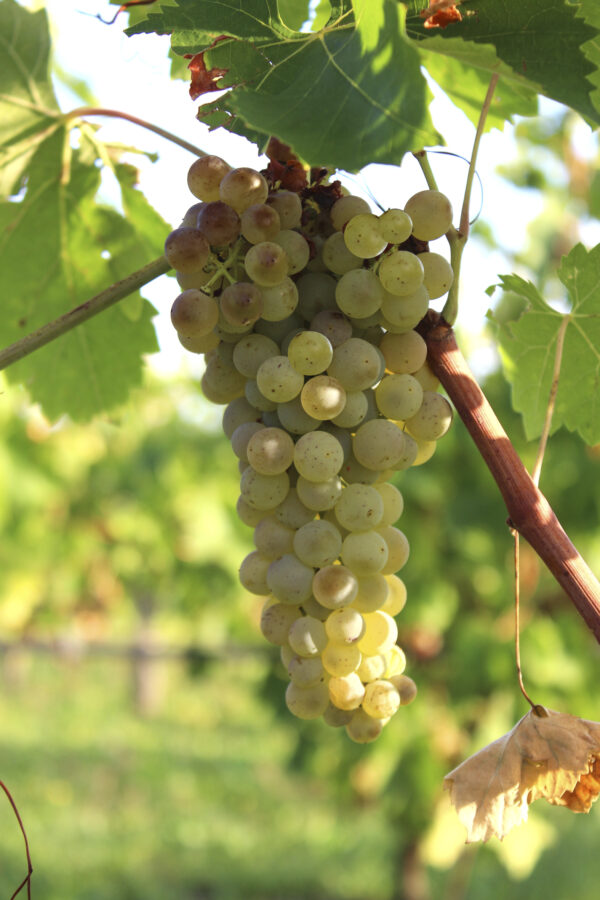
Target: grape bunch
{"type": "Point", "coordinates": [304, 304]}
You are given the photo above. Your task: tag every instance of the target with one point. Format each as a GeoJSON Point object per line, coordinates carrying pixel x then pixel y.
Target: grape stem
{"type": "Point", "coordinates": [84, 112]}
{"type": "Point", "coordinates": [529, 512]}
{"type": "Point", "coordinates": [82, 313]}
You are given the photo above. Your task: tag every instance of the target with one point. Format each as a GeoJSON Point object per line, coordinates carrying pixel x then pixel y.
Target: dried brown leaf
{"type": "Point", "coordinates": [548, 755]}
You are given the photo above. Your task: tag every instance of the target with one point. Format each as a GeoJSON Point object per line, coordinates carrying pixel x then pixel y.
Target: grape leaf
{"type": "Point", "coordinates": [590, 13]}
{"type": "Point", "coordinates": [93, 367]}
{"type": "Point", "coordinates": [528, 348]}
{"type": "Point", "coordinates": [347, 95]}
{"type": "Point", "coordinates": [28, 107]}
{"type": "Point", "coordinates": [540, 40]}
{"type": "Point", "coordinates": [547, 756]}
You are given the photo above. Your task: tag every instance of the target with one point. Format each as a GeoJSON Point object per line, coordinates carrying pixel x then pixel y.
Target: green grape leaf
{"type": "Point", "coordinates": [528, 348]}
{"type": "Point", "coordinates": [93, 367]}
{"type": "Point", "coordinates": [350, 94]}
{"type": "Point", "coordinates": [28, 107]}
{"type": "Point", "coordinates": [552, 44]}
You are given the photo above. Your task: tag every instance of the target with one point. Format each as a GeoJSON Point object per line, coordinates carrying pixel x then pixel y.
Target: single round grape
{"type": "Point", "coordinates": [396, 598]}
{"type": "Point", "coordinates": [346, 208]}
{"type": "Point", "coordinates": [319, 495]}
{"type": "Point", "coordinates": [256, 398]}
{"type": "Point", "coordinates": [289, 580]}
{"type": "Point", "coordinates": [401, 314]}
{"type": "Point", "coordinates": [364, 553]}
{"type": "Point", "coordinates": [438, 274]}
{"type": "Point", "coordinates": [205, 175]}
{"type": "Point", "coordinates": [279, 300]}
{"type": "Point", "coordinates": [221, 381]}
{"type": "Point", "coordinates": [354, 411]}
{"type": "Point", "coordinates": [341, 659]}
{"type": "Point", "coordinates": [272, 539]}
{"type": "Point", "coordinates": [219, 223]}
{"type": "Point", "coordinates": [336, 718]}
{"type": "Point", "coordinates": [312, 607]}
{"type": "Point", "coordinates": [334, 586]}
{"type": "Point", "coordinates": [187, 280]}
{"type": "Point", "coordinates": [354, 473]}
{"type": "Point", "coordinates": [396, 661]}
{"type": "Point", "coordinates": [317, 543]}
{"type": "Point", "coordinates": [401, 273]}
{"type": "Point", "coordinates": [310, 352]}
{"type": "Point", "coordinates": [433, 418]}
{"type": "Point", "coordinates": [263, 491]}
{"type": "Point", "coordinates": [379, 444]}
{"type": "Point", "coordinates": [194, 313]}
{"type": "Point", "coordinates": [426, 378]}
{"type": "Point", "coordinates": [347, 692]}
{"type": "Point", "coordinates": [431, 214]}
{"type": "Point", "coordinates": [404, 353]}
{"type": "Point", "coordinates": [381, 633]}
{"type": "Point", "coordinates": [307, 636]}
{"type": "Point", "coordinates": [381, 699]}
{"type": "Point", "coordinates": [362, 236]}
{"type": "Point", "coordinates": [187, 250]}
{"type": "Point", "coordinates": [399, 396]}
{"type": "Point", "coordinates": [296, 249]}
{"type": "Point", "coordinates": [253, 573]}
{"type": "Point", "coordinates": [190, 220]}
{"type": "Point", "coordinates": [236, 413]}
{"type": "Point", "coordinates": [356, 364]}
{"type": "Point", "coordinates": [243, 187]}
{"type": "Point", "coordinates": [292, 512]}
{"type": "Point", "coordinates": [398, 548]}
{"type": "Point", "coordinates": [247, 514]}
{"type": "Point", "coordinates": [241, 303]}
{"type": "Point", "coordinates": [344, 626]}
{"type": "Point", "coordinates": [251, 351]}
{"type": "Point", "coordinates": [362, 729]}
{"type": "Point", "coordinates": [266, 263]}
{"type": "Point", "coordinates": [316, 291]}
{"type": "Point", "coordinates": [260, 223]}
{"type": "Point", "coordinates": [359, 293]}
{"type": "Point", "coordinates": [318, 456]}
{"type": "Point", "coordinates": [373, 592]}
{"type": "Point", "coordinates": [294, 419]}
{"type": "Point", "coordinates": [337, 257]}
{"type": "Point", "coordinates": [276, 620]}
{"type": "Point", "coordinates": [270, 451]}
{"type": "Point", "coordinates": [305, 671]}
{"type": "Point", "coordinates": [334, 325]}
{"type": "Point", "coordinates": [241, 436]}
{"type": "Point", "coordinates": [307, 702]}
{"type": "Point", "coordinates": [405, 687]}
{"type": "Point", "coordinates": [360, 508]}
{"type": "Point", "coordinates": [278, 380]}
{"type": "Point", "coordinates": [409, 454]}
{"type": "Point", "coordinates": [343, 437]}
{"type": "Point", "coordinates": [323, 397]}
{"type": "Point", "coordinates": [395, 226]}
{"type": "Point", "coordinates": [393, 502]}
{"type": "Point", "coordinates": [425, 451]}
{"type": "Point", "coordinates": [288, 206]}
{"type": "Point", "coordinates": [371, 668]}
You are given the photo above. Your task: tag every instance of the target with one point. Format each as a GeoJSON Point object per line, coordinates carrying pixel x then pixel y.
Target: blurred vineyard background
{"type": "Point", "coordinates": [144, 733]}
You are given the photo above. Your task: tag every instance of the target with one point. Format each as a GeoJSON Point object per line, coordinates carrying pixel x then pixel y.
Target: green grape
{"type": "Point", "coordinates": [336, 718]}
{"type": "Point", "coordinates": [296, 249]}
{"type": "Point", "coordinates": [253, 573]}
{"type": "Point", "coordinates": [379, 444]}
{"type": "Point", "coordinates": [270, 451]}
{"type": "Point", "coordinates": [310, 352]}
{"type": "Point", "coordinates": [334, 325]}
{"type": "Point", "coordinates": [305, 671]}
{"type": "Point", "coordinates": [393, 502]}
{"type": "Point", "coordinates": [341, 659]}
{"type": "Point", "coordinates": [259, 223]}
{"type": "Point", "coordinates": [251, 351]}
{"type": "Point", "coordinates": [292, 512]}
{"type": "Point", "coordinates": [404, 354]}
{"type": "Point", "coordinates": [219, 223]}
{"type": "Point", "coordinates": [344, 626]}
{"type": "Point", "coordinates": [319, 495]}
{"type": "Point", "coordinates": [396, 662]}
{"type": "Point", "coordinates": [256, 398]}
{"type": "Point", "coordinates": [381, 633]}
{"type": "Point", "coordinates": [276, 620]}
{"type": "Point", "coordinates": [401, 273]}
{"type": "Point", "coordinates": [433, 418]}
{"type": "Point", "coordinates": [312, 607]}
{"type": "Point", "coordinates": [364, 553]}
{"type": "Point", "coordinates": [263, 491]}
{"type": "Point", "coordinates": [425, 451]}
{"type": "Point", "coordinates": [373, 592]}
{"type": "Point", "coordinates": [294, 419]}
{"type": "Point", "coordinates": [323, 397]}
{"type": "Point", "coordinates": [395, 226]}
{"type": "Point", "coordinates": [221, 381]}
{"type": "Point", "coordinates": [243, 187]}
{"type": "Point", "coordinates": [401, 314]}
{"type": "Point", "coordinates": [187, 250]}
{"type": "Point", "coordinates": [426, 378]}
{"type": "Point", "coordinates": [317, 543]}
{"type": "Point", "coordinates": [354, 473]}
{"type": "Point", "coordinates": [307, 636]}
{"type": "Point", "coordinates": [360, 508]}
{"type": "Point", "coordinates": [371, 668]}
{"type": "Point", "coordinates": [272, 539]}
{"type": "Point", "coordinates": [187, 280]}
{"type": "Point", "coordinates": [307, 702]}
{"type": "Point", "coordinates": [407, 459]}
{"type": "Point", "coordinates": [359, 293]}
{"type": "Point", "coordinates": [279, 301]}
{"type": "Point", "coordinates": [241, 303]}
{"type": "Point", "coordinates": [247, 514]}
{"type": "Point", "coordinates": [277, 330]}
{"type": "Point", "coordinates": [318, 456]}
{"type": "Point", "coordinates": [438, 275]}
{"type": "Point", "coordinates": [194, 313]}
{"type": "Point", "coordinates": [316, 291]}
{"type": "Point", "coordinates": [236, 413]}
{"type": "Point", "coordinates": [190, 220]}
{"type": "Point", "coordinates": [347, 692]}
{"type": "Point", "coordinates": [354, 411]}
{"type": "Point", "coordinates": [241, 436]}
{"type": "Point", "coordinates": [363, 729]}
{"type": "Point", "coordinates": [362, 236]}
{"type": "Point", "coordinates": [278, 380]}
{"type": "Point", "coordinates": [399, 396]}
{"type": "Point", "coordinates": [289, 580]}
{"type": "Point", "coordinates": [346, 208]}
{"type": "Point", "coordinates": [396, 598]}
{"type": "Point", "coordinates": [286, 654]}
{"type": "Point", "coordinates": [205, 175]}
{"type": "Point", "coordinates": [266, 263]}
{"type": "Point", "coordinates": [334, 586]}
{"type": "Point", "coordinates": [337, 257]}
{"type": "Point", "coordinates": [398, 548]}
{"type": "Point", "coordinates": [343, 437]}
{"type": "Point", "coordinates": [381, 699]}
{"type": "Point", "coordinates": [356, 364]}
{"type": "Point", "coordinates": [288, 206]}
{"type": "Point", "coordinates": [230, 332]}
{"type": "Point", "coordinates": [405, 687]}
{"type": "Point", "coordinates": [431, 214]}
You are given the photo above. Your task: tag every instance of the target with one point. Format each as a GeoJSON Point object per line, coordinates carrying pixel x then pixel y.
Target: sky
{"type": "Point", "coordinates": [132, 74]}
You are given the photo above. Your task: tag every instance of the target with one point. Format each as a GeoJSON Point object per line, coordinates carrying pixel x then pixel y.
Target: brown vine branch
{"type": "Point", "coordinates": [84, 112]}
{"type": "Point", "coordinates": [529, 512]}
{"type": "Point", "coordinates": [27, 879]}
